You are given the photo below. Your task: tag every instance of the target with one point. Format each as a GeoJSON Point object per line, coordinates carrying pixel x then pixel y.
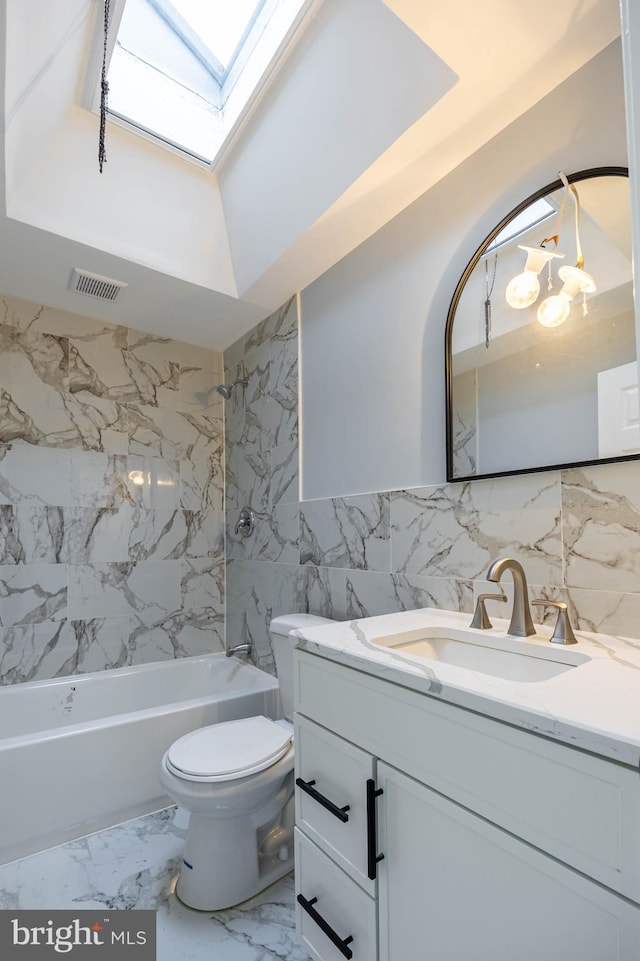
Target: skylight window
{"type": "Point", "coordinates": [220, 24]}
{"type": "Point", "coordinates": [176, 64]}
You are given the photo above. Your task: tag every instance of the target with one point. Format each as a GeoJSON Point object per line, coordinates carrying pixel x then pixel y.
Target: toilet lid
{"type": "Point", "coordinates": [233, 748]}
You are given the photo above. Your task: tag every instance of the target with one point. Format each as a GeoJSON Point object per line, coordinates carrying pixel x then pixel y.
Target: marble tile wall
{"type": "Point", "coordinates": [576, 532]}
{"type": "Point", "coordinates": [111, 495]}
{"type": "Point", "coordinates": [261, 440]}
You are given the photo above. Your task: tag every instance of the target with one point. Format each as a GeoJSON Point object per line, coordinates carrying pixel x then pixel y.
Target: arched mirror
{"type": "Point", "coordinates": [541, 357]}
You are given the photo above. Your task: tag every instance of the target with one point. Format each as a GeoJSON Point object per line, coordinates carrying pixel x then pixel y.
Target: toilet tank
{"type": "Point", "coordinates": [283, 645]}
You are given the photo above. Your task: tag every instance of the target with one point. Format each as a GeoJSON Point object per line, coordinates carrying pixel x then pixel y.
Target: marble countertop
{"type": "Point", "coordinates": [594, 706]}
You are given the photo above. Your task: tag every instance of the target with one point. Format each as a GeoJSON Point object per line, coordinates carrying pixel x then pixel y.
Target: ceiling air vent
{"type": "Point", "coordinates": [93, 285]}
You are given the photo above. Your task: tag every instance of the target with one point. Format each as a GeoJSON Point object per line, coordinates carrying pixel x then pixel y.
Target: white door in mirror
{"type": "Point", "coordinates": [618, 411]}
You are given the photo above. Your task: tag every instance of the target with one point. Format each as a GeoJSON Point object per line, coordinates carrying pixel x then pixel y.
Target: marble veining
{"type": "Point", "coordinates": [459, 529]}
{"type": "Point", "coordinates": [149, 590]}
{"type": "Point", "coordinates": [275, 538]}
{"type": "Point", "coordinates": [32, 534]}
{"type": "Point", "coordinates": [593, 706]}
{"type": "Point", "coordinates": [350, 532]}
{"type": "Point", "coordinates": [601, 511]}
{"type": "Point", "coordinates": [135, 865]}
{"type": "Point", "coordinates": [369, 593]}
{"type": "Point", "coordinates": [111, 495]}
{"type": "Point", "coordinates": [32, 593]}
{"type": "Point", "coordinates": [33, 359]}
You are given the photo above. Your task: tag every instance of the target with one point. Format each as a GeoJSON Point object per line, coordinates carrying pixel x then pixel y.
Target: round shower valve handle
{"type": "Point", "coordinates": [246, 522]}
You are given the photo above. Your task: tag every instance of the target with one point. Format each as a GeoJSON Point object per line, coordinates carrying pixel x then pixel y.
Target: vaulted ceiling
{"type": "Point", "coordinates": [371, 104]}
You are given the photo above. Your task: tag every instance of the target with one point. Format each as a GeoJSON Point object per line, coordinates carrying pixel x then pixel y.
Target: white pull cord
{"type": "Point", "coordinates": [574, 194]}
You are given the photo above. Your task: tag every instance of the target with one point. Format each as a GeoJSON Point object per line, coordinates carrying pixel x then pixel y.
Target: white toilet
{"type": "Point", "coordinates": [236, 780]}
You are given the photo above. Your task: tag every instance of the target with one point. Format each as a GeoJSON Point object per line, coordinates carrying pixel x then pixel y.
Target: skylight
{"type": "Point", "coordinates": [176, 64]}
{"type": "Point", "coordinates": [220, 24]}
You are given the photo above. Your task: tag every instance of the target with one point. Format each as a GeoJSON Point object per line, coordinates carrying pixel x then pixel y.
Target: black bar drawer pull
{"type": "Point", "coordinates": [372, 830]}
{"type": "Point", "coordinates": [308, 788]}
{"type": "Point", "coordinates": [340, 943]}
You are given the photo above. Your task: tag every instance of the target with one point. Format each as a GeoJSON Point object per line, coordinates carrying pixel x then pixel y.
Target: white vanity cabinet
{"type": "Point", "coordinates": [496, 843]}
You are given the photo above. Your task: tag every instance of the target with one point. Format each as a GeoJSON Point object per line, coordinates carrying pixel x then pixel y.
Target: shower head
{"type": "Point", "coordinates": [224, 390]}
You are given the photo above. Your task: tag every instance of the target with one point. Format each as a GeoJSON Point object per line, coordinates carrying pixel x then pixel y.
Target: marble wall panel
{"type": "Point", "coordinates": [99, 644]}
{"type": "Point", "coordinates": [149, 590]}
{"type": "Point", "coordinates": [161, 432]}
{"type": "Point", "coordinates": [163, 352]}
{"type": "Point", "coordinates": [32, 593]}
{"type": "Point", "coordinates": [35, 475]}
{"type": "Point", "coordinates": [250, 593]}
{"type": "Point", "coordinates": [111, 479]}
{"type": "Point", "coordinates": [25, 315]}
{"type": "Point", "coordinates": [285, 480]}
{"type": "Point", "coordinates": [32, 534]}
{"type": "Point", "coordinates": [457, 530]}
{"type": "Point", "coordinates": [247, 477]}
{"type": "Point", "coordinates": [202, 478]}
{"type": "Point", "coordinates": [33, 359]}
{"type": "Point", "coordinates": [198, 391]}
{"type": "Point", "coordinates": [98, 366]}
{"type": "Point", "coordinates": [152, 482]}
{"type": "Point", "coordinates": [601, 527]}
{"type": "Point", "coordinates": [276, 536]}
{"type": "Point", "coordinates": [349, 532]}
{"type": "Point", "coordinates": [325, 592]}
{"type": "Point", "coordinates": [369, 593]}
{"type": "Point", "coordinates": [33, 652]}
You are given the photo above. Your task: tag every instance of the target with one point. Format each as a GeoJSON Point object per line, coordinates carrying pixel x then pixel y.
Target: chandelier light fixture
{"type": "Point", "coordinates": [553, 311]}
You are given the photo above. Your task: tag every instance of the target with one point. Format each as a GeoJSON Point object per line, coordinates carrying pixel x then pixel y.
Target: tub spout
{"type": "Point", "coordinates": [239, 649]}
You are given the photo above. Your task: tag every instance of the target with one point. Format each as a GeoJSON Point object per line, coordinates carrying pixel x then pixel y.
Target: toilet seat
{"type": "Point", "coordinates": [230, 750]}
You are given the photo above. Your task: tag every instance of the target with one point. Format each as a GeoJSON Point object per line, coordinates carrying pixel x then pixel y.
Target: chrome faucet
{"type": "Point", "coordinates": [521, 624]}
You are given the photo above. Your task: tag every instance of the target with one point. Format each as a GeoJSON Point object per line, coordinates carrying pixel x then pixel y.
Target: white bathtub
{"type": "Point", "coordinates": [81, 753]}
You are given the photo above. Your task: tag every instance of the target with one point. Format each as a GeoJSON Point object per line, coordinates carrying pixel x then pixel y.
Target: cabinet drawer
{"type": "Point", "coordinates": [573, 805]}
{"type": "Point", "coordinates": [338, 905]}
{"type": "Point", "coordinates": [340, 772]}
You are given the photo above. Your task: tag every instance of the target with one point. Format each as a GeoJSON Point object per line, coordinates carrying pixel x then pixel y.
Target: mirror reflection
{"type": "Point", "coordinates": [541, 348]}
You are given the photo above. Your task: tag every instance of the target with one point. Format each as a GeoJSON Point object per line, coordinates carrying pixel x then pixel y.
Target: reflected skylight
{"type": "Point", "coordinates": [534, 215]}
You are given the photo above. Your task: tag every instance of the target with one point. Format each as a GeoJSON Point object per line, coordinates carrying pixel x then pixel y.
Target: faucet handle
{"type": "Point", "coordinates": [480, 616]}
{"type": "Point", "coordinates": [562, 632]}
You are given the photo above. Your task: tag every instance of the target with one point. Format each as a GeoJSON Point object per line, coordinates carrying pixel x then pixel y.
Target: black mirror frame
{"type": "Point", "coordinates": [550, 188]}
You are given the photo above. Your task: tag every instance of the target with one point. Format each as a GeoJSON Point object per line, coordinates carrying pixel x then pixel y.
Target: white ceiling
{"type": "Point", "coordinates": [207, 254]}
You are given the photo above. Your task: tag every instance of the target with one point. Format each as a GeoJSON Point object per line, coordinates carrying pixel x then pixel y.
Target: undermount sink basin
{"type": "Point", "coordinates": [513, 659]}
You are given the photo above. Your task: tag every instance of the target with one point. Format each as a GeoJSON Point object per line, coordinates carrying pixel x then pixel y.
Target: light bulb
{"type": "Point", "coordinates": [522, 290]}
{"type": "Point", "coordinates": [553, 311]}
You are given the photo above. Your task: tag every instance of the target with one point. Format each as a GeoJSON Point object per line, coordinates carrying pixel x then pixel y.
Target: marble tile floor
{"type": "Point", "coordinates": [135, 865]}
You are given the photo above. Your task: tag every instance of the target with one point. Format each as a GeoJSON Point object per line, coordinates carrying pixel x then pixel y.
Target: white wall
{"type": "Point", "coordinates": [372, 344]}
{"type": "Point", "coordinates": [338, 97]}
{"type": "Point", "coordinates": [148, 206]}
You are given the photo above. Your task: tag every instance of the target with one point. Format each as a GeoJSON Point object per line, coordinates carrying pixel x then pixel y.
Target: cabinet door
{"type": "Point", "coordinates": [453, 887]}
